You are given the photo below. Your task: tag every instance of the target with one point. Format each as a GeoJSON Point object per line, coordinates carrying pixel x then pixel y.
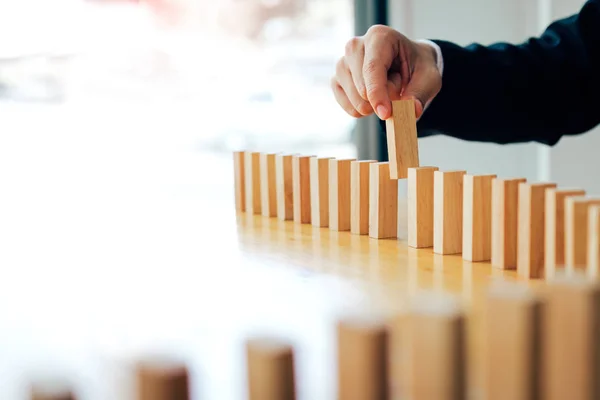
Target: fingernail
{"type": "Point", "coordinates": [382, 111]}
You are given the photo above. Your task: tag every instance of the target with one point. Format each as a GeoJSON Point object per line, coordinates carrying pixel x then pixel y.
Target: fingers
{"type": "Point", "coordinates": [355, 56]}
{"type": "Point", "coordinates": [426, 80]}
{"type": "Point", "coordinates": [342, 99]}
{"type": "Point", "coordinates": [424, 85]}
{"type": "Point", "coordinates": [347, 82]}
{"type": "Point", "coordinates": [395, 85]}
{"type": "Point", "coordinates": [379, 55]}
{"type": "Point", "coordinates": [383, 66]}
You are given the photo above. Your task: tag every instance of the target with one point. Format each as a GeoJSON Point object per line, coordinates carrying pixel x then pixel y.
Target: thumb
{"type": "Point", "coordinates": [422, 87]}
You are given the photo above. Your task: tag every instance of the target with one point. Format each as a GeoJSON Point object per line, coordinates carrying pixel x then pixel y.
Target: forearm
{"type": "Point", "coordinates": [537, 91]}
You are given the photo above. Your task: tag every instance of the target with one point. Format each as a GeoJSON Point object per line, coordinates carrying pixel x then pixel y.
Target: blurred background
{"type": "Point", "coordinates": [117, 122]}
{"type": "Point", "coordinates": [225, 74]}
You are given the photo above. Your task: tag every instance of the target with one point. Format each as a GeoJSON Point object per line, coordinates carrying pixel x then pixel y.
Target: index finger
{"type": "Point", "coordinates": [378, 59]}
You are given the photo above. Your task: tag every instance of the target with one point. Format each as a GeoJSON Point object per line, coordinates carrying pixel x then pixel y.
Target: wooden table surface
{"type": "Point", "coordinates": [108, 255]}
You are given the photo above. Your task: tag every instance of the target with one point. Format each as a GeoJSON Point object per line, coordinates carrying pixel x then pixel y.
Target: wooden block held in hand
{"type": "Point", "coordinates": [571, 327]}
{"type": "Point", "coordinates": [252, 185]}
{"type": "Point", "coordinates": [448, 211]}
{"type": "Point", "coordinates": [512, 358]}
{"type": "Point", "coordinates": [239, 180]}
{"type": "Point", "coordinates": [576, 230]}
{"type": "Point", "coordinates": [593, 268]}
{"type": "Point", "coordinates": [301, 183]}
{"type": "Point", "coordinates": [402, 140]}
{"type": "Point", "coordinates": [319, 191]}
{"type": "Point", "coordinates": [285, 187]}
{"type": "Point", "coordinates": [436, 351]}
{"type": "Point", "coordinates": [477, 217]}
{"type": "Point", "coordinates": [362, 359]}
{"type": "Point", "coordinates": [162, 380]}
{"type": "Point", "coordinates": [505, 200]}
{"type": "Point", "coordinates": [268, 185]}
{"type": "Point", "coordinates": [339, 194]}
{"type": "Point", "coordinates": [359, 197]}
{"type": "Point", "coordinates": [383, 202]}
{"type": "Point", "coordinates": [420, 206]}
{"type": "Point", "coordinates": [554, 247]}
{"type": "Point", "coordinates": [531, 227]}
{"type": "Point", "coordinates": [270, 369]}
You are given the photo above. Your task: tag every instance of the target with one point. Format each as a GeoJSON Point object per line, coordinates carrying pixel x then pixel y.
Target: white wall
{"type": "Point", "coordinates": [488, 21]}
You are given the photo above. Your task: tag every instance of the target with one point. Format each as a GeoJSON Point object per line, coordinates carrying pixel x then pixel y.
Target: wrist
{"type": "Point", "coordinates": [431, 48]}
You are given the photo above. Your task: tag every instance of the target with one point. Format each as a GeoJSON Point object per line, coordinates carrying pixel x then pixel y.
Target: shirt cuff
{"type": "Point", "coordinates": [438, 51]}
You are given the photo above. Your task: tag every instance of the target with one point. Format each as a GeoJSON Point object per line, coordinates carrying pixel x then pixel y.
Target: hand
{"type": "Point", "coordinates": [382, 66]}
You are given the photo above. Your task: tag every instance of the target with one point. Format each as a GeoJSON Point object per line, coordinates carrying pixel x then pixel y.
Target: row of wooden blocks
{"type": "Point", "coordinates": [514, 224]}
{"type": "Point", "coordinates": [537, 346]}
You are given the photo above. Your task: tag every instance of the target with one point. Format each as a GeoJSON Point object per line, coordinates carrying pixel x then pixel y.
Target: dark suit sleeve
{"type": "Point", "coordinates": [536, 91]}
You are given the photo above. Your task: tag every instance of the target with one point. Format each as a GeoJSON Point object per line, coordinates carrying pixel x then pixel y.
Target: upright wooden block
{"type": "Point", "coordinates": [505, 200]}
{"type": "Point", "coordinates": [268, 186]}
{"type": "Point", "coordinates": [420, 206]}
{"type": "Point", "coordinates": [339, 194]}
{"type": "Point", "coordinates": [319, 191]}
{"type": "Point", "coordinates": [252, 185]}
{"type": "Point", "coordinates": [530, 243]}
{"type": "Point", "coordinates": [571, 327]}
{"type": "Point", "coordinates": [383, 202]}
{"type": "Point", "coordinates": [301, 184]}
{"type": "Point", "coordinates": [593, 268]}
{"type": "Point", "coordinates": [362, 359]}
{"type": "Point", "coordinates": [51, 390]}
{"type": "Point", "coordinates": [477, 217]}
{"type": "Point", "coordinates": [239, 180]}
{"type": "Point", "coordinates": [554, 247]}
{"type": "Point", "coordinates": [359, 197]}
{"type": "Point", "coordinates": [162, 380]}
{"type": "Point", "coordinates": [436, 352]}
{"type": "Point", "coordinates": [447, 211]}
{"type": "Point", "coordinates": [402, 140]}
{"type": "Point", "coordinates": [285, 187]}
{"type": "Point", "coordinates": [270, 369]}
{"type": "Point", "coordinates": [513, 336]}
{"type": "Point", "coordinates": [576, 230]}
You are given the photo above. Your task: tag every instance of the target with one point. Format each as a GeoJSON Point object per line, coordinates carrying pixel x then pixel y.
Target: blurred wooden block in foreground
{"type": "Point", "coordinates": [512, 335]}
{"type": "Point", "coordinates": [270, 369]}
{"type": "Point", "coordinates": [362, 358]}
{"type": "Point", "coordinates": [162, 379]}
